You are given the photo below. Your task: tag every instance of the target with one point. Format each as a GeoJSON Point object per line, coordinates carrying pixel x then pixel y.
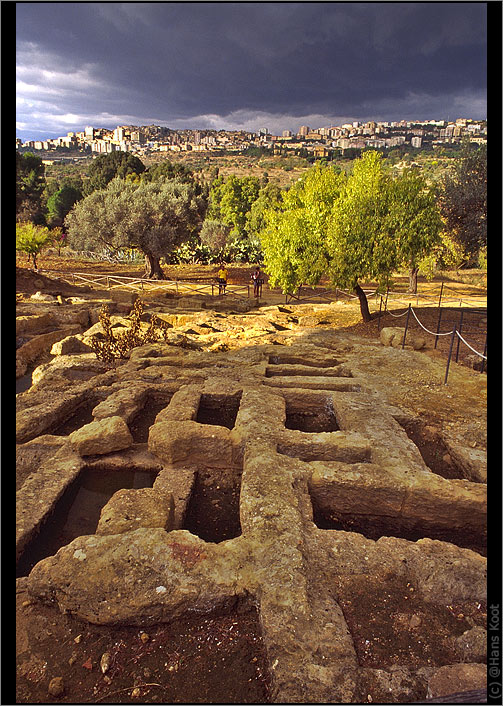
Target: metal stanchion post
{"type": "Point", "coordinates": [438, 325]}
{"type": "Point", "coordinates": [483, 359]}
{"type": "Point", "coordinates": [450, 354]}
{"type": "Point", "coordinates": [440, 297]}
{"type": "Point", "coordinates": [406, 326]}
{"type": "Point", "coordinates": [379, 319]}
{"type": "Point", "coordinates": [459, 330]}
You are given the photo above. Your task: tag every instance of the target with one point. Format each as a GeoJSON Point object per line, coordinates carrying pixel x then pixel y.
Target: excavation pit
{"type": "Point", "coordinates": [432, 448]}
{"type": "Point", "coordinates": [297, 360]}
{"type": "Point", "coordinates": [311, 419]}
{"type": "Point", "coordinates": [391, 624]}
{"type": "Point", "coordinates": [213, 510]}
{"type": "Point", "coordinates": [80, 416]}
{"type": "Point", "coordinates": [374, 527]}
{"type": "Point", "coordinates": [140, 425]}
{"type": "Point", "coordinates": [220, 410]}
{"type": "Point", "coordinates": [78, 510]}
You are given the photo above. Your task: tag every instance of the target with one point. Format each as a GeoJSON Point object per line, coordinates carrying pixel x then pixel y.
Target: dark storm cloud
{"type": "Point", "coordinates": [171, 63]}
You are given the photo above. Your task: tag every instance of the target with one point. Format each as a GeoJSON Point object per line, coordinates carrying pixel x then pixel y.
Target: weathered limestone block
{"type": "Point", "coordinates": [40, 492]}
{"type": "Point", "coordinates": [393, 336]}
{"type": "Point", "coordinates": [179, 484]}
{"type": "Point", "coordinates": [125, 402]}
{"type": "Point", "coordinates": [452, 504]}
{"type": "Point", "coordinates": [71, 367]}
{"type": "Point", "coordinates": [183, 405]}
{"type": "Point", "coordinates": [27, 324]}
{"type": "Point", "coordinates": [42, 343]}
{"type": "Point", "coordinates": [141, 577]}
{"type": "Point", "coordinates": [70, 345]}
{"type": "Point", "coordinates": [129, 509]}
{"type": "Point", "coordinates": [456, 678]}
{"type": "Point", "coordinates": [356, 488]}
{"type": "Point", "coordinates": [102, 437]}
{"type": "Point", "coordinates": [32, 454]}
{"type": "Point", "coordinates": [472, 644]}
{"type": "Point", "coordinates": [442, 572]}
{"type": "Point", "coordinates": [193, 444]}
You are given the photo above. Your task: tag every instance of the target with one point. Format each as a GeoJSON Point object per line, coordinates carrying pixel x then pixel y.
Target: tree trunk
{"type": "Point", "coordinates": [413, 280]}
{"type": "Point", "coordinates": [364, 305]}
{"type": "Point", "coordinates": [152, 267]}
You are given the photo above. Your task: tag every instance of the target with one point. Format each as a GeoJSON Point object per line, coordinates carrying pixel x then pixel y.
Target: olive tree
{"type": "Point", "coordinates": [154, 217]}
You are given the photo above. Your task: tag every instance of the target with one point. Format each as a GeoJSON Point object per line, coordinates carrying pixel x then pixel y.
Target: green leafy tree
{"type": "Point", "coordinates": [30, 183]}
{"type": "Point", "coordinates": [230, 201]}
{"type": "Point", "coordinates": [415, 220]}
{"type": "Point", "coordinates": [379, 224]}
{"type": "Point", "coordinates": [108, 166]}
{"type": "Point", "coordinates": [31, 239]}
{"type": "Point", "coordinates": [349, 228]}
{"type": "Point", "coordinates": [154, 217]}
{"type": "Point", "coordinates": [294, 235]}
{"type": "Point", "coordinates": [464, 200]}
{"type": "Point", "coordinates": [61, 203]}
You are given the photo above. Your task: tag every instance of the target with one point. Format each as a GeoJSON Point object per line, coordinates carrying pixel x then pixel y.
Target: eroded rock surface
{"type": "Point", "coordinates": [358, 557]}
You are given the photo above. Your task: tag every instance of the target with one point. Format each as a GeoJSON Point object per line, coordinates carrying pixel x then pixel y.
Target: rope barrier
{"type": "Point", "coordinates": [452, 333]}
{"type": "Point", "coordinates": [396, 316]}
{"type": "Point", "coordinates": [481, 355]}
{"type": "Point", "coordinates": [448, 333]}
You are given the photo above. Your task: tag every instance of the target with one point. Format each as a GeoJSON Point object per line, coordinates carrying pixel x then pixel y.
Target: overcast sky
{"type": "Point", "coordinates": [246, 65]}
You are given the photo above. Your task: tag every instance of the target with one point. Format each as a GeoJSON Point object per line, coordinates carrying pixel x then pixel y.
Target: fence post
{"type": "Point", "coordinates": [483, 359]}
{"type": "Point", "coordinates": [459, 330]}
{"type": "Point", "coordinates": [438, 324]}
{"type": "Point", "coordinates": [406, 327]}
{"type": "Point", "coordinates": [379, 319]}
{"type": "Point", "coordinates": [440, 297]}
{"type": "Point", "coordinates": [450, 354]}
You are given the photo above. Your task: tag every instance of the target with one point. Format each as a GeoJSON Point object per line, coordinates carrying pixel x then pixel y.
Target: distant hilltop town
{"type": "Point", "coordinates": [320, 141]}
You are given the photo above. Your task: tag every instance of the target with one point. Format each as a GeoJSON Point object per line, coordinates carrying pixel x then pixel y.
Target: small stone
{"type": "Point", "coordinates": [144, 637]}
{"type": "Point", "coordinates": [107, 679]}
{"type": "Point", "coordinates": [415, 621]}
{"type": "Point", "coordinates": [77, 639]}
{"type": "Point", "coordinates": [147, 673]}
{"type": "Point", "coordinates": [56, 687]}
{"type": "Point", "coordinates": [72, 659]}
{"type": "Point", "coordinates": [136, 693]}
{"type": "Point", "coordinates": [105, 662]}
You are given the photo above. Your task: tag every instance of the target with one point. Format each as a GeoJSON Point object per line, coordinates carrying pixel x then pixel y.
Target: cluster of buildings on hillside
{"type": "Point", "coordinates": [321, 141]}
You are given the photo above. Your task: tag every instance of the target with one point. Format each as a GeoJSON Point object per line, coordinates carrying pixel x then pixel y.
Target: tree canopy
{"type": "Point", "coordinates": [30, 183]}
{"type": "Point", "coordinates": [154, 217]}
{"type": "Point", "coordinates": [464, 200]}
{"type": "Point", "coordinates": [60, 203]}
{"type": "Point", "coordinates": [108, 166]}
{"type": "Point", "coordinates": [349, 228]}
{"type": "Point", "coordinates": [31, 239]}
{"type": "Point", "coordinates": [294, 235]}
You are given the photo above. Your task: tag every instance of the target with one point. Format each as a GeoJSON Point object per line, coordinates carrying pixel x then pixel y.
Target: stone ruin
{"type": "Point", "coordinates": [279, 477]}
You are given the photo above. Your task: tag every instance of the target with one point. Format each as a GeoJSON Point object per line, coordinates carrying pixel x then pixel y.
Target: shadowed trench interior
{"type": "Point", "coordinates": [78, 510]}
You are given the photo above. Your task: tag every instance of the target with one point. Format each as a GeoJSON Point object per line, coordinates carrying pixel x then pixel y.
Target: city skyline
{"type": "Point", "coordinates": [236, 66]}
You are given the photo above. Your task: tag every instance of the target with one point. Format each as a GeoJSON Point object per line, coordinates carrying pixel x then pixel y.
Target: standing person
{"type": "Point", "coordinates": [222, 279]}
{"type": "Point", "coordinates": [257, 281]}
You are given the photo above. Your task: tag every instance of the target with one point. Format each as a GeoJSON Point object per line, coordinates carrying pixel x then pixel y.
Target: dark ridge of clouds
{"type": "Point", "coordinates": [175, 62]}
